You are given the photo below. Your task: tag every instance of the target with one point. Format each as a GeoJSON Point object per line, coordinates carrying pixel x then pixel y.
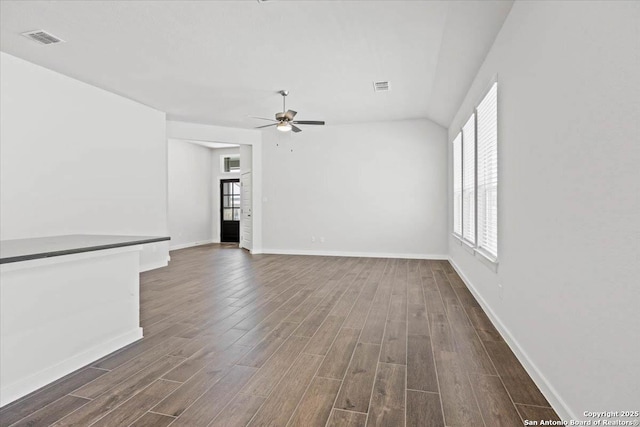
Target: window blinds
{"type": "Point", "coordinates": [457, 185]}
{"type": "Point", "coordinates": [487, 172]}
{"type": "Point", "coordinates": [469, 180]}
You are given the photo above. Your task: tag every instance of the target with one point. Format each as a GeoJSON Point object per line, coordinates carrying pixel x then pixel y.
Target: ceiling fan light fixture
{"type": "Point", "coordinates": [283, 127]}
{"type": "Point", "coordinates": [284, 121]}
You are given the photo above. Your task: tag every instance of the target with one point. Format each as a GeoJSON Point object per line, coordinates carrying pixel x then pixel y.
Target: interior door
{"type": "Point", "coordinates": [246, 222]}
{"type": "Point", "coordinates": [230, 210]}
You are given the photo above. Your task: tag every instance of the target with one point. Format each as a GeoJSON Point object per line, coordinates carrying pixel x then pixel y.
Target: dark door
{"type": "Point", "coordinates": [230, 210]}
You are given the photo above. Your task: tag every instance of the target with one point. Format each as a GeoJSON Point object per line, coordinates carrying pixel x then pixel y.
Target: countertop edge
{"type": "Point", "coordinates": [42, 255]}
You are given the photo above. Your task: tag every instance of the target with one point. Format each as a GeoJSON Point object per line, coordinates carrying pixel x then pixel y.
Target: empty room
{"type": "Point", "coordinates": [319, 213]}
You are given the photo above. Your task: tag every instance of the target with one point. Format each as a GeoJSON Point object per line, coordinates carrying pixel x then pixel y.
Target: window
{"type": "Point", "coordinates": [230, 163]}
{"type": "Point", "coordinates": [469, 180]}
{"type": "Point", "coordinates": [475, 178]}
{"type": "Point", "coordinates": [230, 200]}
{"type": "Point", "coordinates": [457, 185]}
{"type": "Point", "coordinates": [487, 114]}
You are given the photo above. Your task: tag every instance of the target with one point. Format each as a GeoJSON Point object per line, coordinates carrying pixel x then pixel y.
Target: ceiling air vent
{"type": "Point", "coordinates": [42, 37]}
{"type": "Point", "coordinates": [381, 86]}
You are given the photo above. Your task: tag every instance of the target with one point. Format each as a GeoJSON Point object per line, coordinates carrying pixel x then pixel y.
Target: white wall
{"type": "Point", "coordinates": [77, 159]}
{"type": "Point", "coordinates": [569, 230]}
{"type": "Point", "coordinates": [190, 194]}
{"type": "Point", "coordinates": [246, 158]}
{"type": "Point", "coordinates": [217, 173]}
{"type": "Point", "coordinates": [367, 189]}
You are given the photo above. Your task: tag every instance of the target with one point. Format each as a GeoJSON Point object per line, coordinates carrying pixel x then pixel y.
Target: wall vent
{"type": "Point", "coordinates": [381, 86]}
{"type": "Point", "coordinates": [42, 37]}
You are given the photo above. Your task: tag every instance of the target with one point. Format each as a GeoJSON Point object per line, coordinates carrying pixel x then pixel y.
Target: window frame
{"type": "Point", "coordinates": [480, 244]}
{"type": "Point", "coordinates": [487, 258]}
{"type": "Point", "coordinates": [474, 196]}
{"type": "Point", "coordinates": [222, 163]}
{"type": "Point", "coordinates": [458, 196]}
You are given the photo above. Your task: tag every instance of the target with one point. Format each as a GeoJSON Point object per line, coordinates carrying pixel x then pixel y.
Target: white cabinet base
{"type": "Point", "coordinates": [61, 313]}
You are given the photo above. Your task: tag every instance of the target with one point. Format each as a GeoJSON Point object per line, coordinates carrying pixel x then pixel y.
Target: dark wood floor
{"type": "Point", "coordinates": [233, 339]}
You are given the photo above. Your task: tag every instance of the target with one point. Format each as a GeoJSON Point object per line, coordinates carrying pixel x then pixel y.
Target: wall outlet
{"type": "Point", "coordinates": [313, 238]}
{"type": "Point", "coordinates": [500, 291]}
{"type": "Point", "coordinates": [322, 240]}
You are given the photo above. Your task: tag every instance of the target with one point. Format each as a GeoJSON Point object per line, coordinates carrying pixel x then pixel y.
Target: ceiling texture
{"type": "Point", "coordinates": [217, 62]}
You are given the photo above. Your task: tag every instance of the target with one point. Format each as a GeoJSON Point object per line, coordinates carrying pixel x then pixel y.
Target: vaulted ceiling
{"type": "Point", "coordinates": [219, 61]}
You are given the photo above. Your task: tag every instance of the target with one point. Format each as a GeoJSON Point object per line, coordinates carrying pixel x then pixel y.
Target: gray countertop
{"type": "Point", "coordinates": [44, 247]}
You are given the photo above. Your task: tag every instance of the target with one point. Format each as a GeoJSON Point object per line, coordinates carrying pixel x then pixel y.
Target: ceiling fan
{"type": "Point", "coordinates": [284, 121]}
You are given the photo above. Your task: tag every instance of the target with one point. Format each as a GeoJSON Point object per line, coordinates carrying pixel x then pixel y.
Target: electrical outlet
{"type": "Point", "coordinates": [322, 240]}
{"type": "Point", "coordinates": [500, 291]}
{"type": "Point", "coordinates": [313, 238]}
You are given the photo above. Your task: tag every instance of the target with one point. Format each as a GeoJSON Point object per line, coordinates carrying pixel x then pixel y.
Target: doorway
{"type": "Point", "coordinates": [230, 210]}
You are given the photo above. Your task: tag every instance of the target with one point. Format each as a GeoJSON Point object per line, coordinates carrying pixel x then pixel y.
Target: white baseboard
{"type": "Point", "coordinates": [190, 245]}
{"type": "Point", "coordinates": [352, 254]}
{"type": "Point", "coordinates": [153, 266]}
{"type": "Point", "coordinates": [556, 402]}
{"type": "Point", "coordinates": [16, 390]}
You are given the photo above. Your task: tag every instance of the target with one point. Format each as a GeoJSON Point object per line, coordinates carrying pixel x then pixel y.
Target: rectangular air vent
{"type": "Point", "coordinates": [42, 37]}
{"type": "Point", "coordinates": [381, 86]}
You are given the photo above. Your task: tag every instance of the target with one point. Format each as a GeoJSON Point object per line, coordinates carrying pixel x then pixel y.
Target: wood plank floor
{"type": "Point", "coordinates": [233, 339]}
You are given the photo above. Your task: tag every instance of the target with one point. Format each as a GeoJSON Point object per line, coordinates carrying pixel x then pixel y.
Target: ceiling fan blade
{"type": "Point", "coordinates": [309, 122]}
{"type": "Point", "coordinates": [261, 118]}
{"type": "Point", "coordinates": [290, 114]}
{"type": "Point", "coordinates": [295, 128]}
{"type": "Point", "coordinates": [266, 126]}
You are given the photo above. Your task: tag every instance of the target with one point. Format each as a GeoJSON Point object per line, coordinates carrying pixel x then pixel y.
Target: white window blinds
{"type": "Point", "coordinates": [488, 172]}
{"type": "Point", "coordinates": [469, 180]}
{"type": "Point", "coordinates": [457, 185]}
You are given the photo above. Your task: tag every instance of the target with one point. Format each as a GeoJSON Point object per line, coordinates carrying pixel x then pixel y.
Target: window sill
{"type": "Point", "coordinates": [485, 258]}
{"type": "Point", "coordinates": [465, 245]}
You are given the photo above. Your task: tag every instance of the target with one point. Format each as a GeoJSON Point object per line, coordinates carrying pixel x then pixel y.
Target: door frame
{"type": "Point", "coordinates": [221, 206]}
{"type": "Point", "coordinates": [243, 210]}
